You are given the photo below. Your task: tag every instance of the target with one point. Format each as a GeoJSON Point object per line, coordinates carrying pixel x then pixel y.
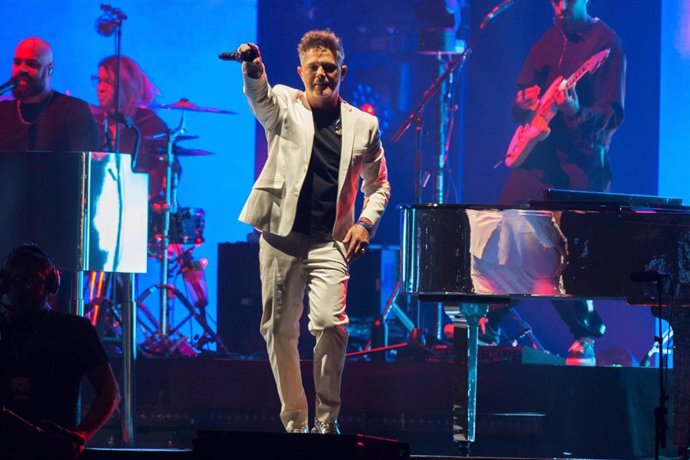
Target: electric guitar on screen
{"type": "Point", "coordinates": [536, 129]}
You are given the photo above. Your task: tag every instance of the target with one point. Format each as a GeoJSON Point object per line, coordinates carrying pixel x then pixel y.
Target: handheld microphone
{"type": "Point", "coordinates": [649, 276]}
{"type": "Point", "coordinates": [244, 56]}
{"type": "Point", "coordinates": [8, 85]}
{"type": "Point", "coordinates": [498, 9]}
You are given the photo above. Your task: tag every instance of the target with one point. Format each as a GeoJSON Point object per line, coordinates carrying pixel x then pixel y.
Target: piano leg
{"type": "Point", "coordinates": [465, 318]}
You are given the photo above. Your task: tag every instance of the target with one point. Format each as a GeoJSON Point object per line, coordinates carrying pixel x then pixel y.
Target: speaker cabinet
{"type": "Point", "coordinates": [372, 280]}
{"type": "Point", "coordinates": [239, 298]}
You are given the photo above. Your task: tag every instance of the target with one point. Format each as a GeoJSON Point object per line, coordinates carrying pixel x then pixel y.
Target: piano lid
{"type": "Point", "coordinates": [580, 197]}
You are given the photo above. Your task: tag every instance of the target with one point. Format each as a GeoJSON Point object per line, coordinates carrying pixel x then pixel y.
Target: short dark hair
{"type": "Point", "coordinates": [315, 39]}
{"type": "Point", "coordinates": [26, 252]}
{"type": "Point", "coordinates": [30, 252]}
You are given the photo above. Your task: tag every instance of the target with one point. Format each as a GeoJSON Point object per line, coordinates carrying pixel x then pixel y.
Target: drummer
{"type": "Point", "coordinates": [136, 93]}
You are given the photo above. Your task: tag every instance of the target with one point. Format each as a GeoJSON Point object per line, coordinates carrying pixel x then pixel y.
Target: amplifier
{"type": "Point", "coordinates": [372, 281]}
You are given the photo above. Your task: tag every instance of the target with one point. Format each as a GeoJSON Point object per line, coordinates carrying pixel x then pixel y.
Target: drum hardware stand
{"type": "Point", "coordinates": [166, 289]}
{"type": "Point", "coordinates": [415, 340]}
{"type": "Point", "coordinates": [169, 205]}
{"type": "Point", "coordinates": [660, 412]}
{"type": "Point", "coordinates": [208, 336]}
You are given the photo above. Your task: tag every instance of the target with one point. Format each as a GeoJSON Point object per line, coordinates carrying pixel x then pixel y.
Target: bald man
{"type": "Point", "coordinates": [39, 118]}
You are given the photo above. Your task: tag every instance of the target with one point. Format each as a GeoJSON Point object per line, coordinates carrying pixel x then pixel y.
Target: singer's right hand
{"type": "Point", "coordinates": [528, 98]}
{"type": "Point", "coordinates": [255, 68]}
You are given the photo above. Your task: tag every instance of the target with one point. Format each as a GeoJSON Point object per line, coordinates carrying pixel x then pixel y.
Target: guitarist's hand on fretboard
{"type": "Point", "coordinates": [567, 102]}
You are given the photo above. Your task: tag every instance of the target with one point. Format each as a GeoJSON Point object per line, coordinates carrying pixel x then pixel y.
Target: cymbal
{"type": "Point", "coordinates": [183, 152]}
{"type": "Point", "coordinates": [164, 135]}
{"type": "Point", "coordinates": [186, 104]}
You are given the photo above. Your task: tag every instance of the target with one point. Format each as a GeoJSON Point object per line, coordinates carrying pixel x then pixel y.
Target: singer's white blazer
{"type": "Point", "coordinates": [289, 127]}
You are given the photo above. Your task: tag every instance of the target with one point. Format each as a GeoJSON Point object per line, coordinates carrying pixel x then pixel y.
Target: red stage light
{"type": "Point", "coordinates": [368, 108]}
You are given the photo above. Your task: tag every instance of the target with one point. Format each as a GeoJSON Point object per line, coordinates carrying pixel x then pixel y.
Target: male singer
{"type": "Point", "coordinates": [303, 203]}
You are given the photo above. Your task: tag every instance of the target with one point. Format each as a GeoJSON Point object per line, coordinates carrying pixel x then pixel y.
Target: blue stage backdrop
{"type": "Point", "coordinates": [381, 44]}
{"type": "Point", "coordinates": [176, 43]}
{"type": "Point", "coordinates": [674, 122]}
{"type": "Point", "coordinates": [498, 56]}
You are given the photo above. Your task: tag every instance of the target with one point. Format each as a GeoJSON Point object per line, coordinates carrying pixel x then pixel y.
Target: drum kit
{"type": "Point", "coordinates": [174, 232]}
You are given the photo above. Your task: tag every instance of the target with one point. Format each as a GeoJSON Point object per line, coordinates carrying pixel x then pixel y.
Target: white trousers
{"type": "Point", "coordinates": [289, 266]}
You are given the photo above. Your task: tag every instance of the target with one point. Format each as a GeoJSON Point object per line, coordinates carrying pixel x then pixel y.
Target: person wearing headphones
{"type": "Point", "coordinates": [43, 356]}
{"type": "Point", "coordinates": [39, 118]}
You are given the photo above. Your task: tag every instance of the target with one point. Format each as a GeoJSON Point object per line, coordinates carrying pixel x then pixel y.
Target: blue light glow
{"type": "Point", "coordinates": [176, 43]}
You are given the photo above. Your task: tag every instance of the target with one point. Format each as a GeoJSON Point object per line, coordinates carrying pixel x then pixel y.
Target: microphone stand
{"type": "Point", "coordinates": [128, 305]}
{"type": "Point", "coordinates": [456, 63]}
{"type": "Point", "coordinates": [422, 177]}
{"type": "Point", "coordinates": [120, 118]}
{"type": "Point", "coordinates": [5, 87]}
{"type": "Point", "coordinates": [416, 117]}
{"type": "Point", "coordinates": [660, 412]}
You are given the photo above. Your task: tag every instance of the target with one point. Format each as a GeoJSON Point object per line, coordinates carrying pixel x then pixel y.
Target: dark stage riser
{"type": "Point", "coordinates": [222, 445]}
{"type": "Point", "coordinates": [523, 410]}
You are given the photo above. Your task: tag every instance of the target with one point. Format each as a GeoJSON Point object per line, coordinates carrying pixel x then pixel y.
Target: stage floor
{"type": "Point", "coordinates": [523, 410]}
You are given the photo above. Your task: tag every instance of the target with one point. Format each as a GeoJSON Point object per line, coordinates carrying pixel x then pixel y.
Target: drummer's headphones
{"type": "Point", "coordinates": [31, 252]}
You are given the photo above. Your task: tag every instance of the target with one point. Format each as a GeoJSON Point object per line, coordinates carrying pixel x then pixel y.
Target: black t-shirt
{"type": "Point", "coordinates": [59, 123]}
{"type": "Point", "coordinates": [52, 352]}
{"type": "Point", "coordinates": [317, 201]}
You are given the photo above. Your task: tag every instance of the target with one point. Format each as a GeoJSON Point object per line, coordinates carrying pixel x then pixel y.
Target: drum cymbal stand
{"type": "Point", "coordinates": [169, 205]}
{"type": "Point", "coordinates": [167, 291]}
{"type": "Point", "coordinates": [160, 342]}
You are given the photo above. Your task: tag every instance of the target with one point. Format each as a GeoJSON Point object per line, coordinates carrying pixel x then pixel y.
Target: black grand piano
{"type": "Point", "coordinates": [571, 245]}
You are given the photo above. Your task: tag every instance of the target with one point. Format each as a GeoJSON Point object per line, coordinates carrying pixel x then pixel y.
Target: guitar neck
{"type": "Point", "coordinates": [574, 78]}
